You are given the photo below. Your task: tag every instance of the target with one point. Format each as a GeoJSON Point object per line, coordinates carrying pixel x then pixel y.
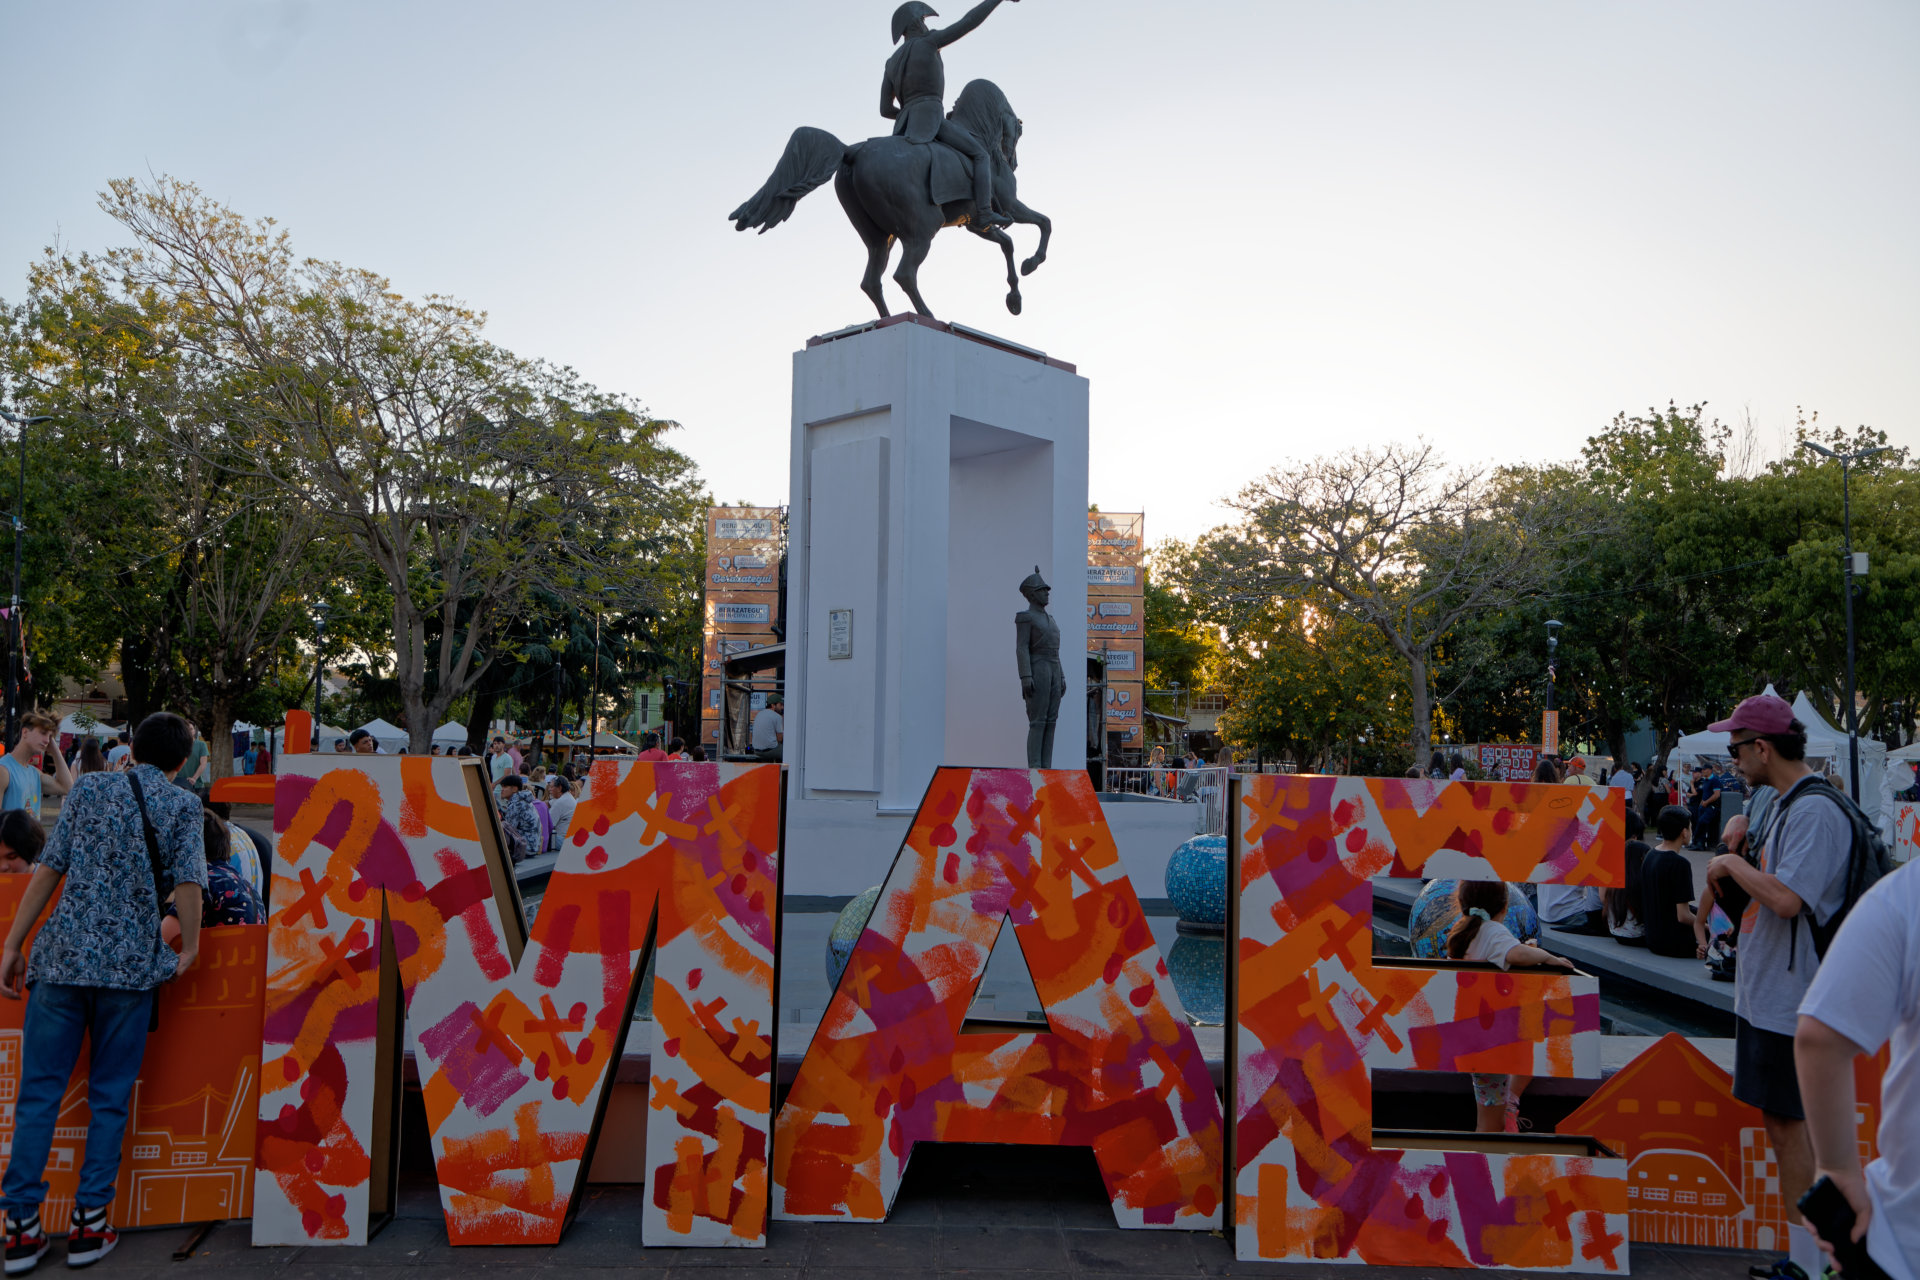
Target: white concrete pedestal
{"type": "Point", "coordinates": [932, 470]}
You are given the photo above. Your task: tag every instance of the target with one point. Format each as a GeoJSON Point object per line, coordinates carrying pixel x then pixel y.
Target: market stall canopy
{"type": "Point", "coordinates": [451, 733]}
{"type": "Point", "coordinates": [390, 737]}
{"type": "Point", "coordinates": [1876, 797]}
{"type": "Point", "coordinates": [1705, 745]}
{"type": "Point", "coordinates": [95, 729]}
{"type": "Point", "coordinates": [605, 741]}
{"type": "Point", "coordinates": [1824, 743]}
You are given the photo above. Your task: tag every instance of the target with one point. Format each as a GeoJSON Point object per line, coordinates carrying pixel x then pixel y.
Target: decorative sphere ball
{"type": "Point", "coordinates": [1198, 967]}
{"type": "Point", "coordinates": [1197, 882]}
{"type": "Point", "coordinates": [846, 932]}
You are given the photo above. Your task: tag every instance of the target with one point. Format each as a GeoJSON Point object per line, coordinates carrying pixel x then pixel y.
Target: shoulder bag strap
{"type": "Point", "coordinates": [153, 842]}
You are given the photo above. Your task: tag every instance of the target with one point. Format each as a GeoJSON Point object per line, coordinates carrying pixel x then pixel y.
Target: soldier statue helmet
{"type": "Point", "coordinates": [909, 13]}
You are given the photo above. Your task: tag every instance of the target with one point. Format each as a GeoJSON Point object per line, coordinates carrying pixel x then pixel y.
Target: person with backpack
{"type": "Point", "coordinates": [124, 841]}
{"type": "Point", "coordinates": [1809, 866]}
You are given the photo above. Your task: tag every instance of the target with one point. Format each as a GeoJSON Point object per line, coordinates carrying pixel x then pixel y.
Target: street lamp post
{"type": "Point", "coordinates": [593, 727]}
{"type": "Point", "coordinates": [15, 631]}
{"type": "Point", "coordinates": [593, 738]}
{"type": "Point", "coordinates": [320, 612]}
{"type": "Point", "coordinates": [1846, 461]}
{"type": "Point", "coordinates": [1553, 649]}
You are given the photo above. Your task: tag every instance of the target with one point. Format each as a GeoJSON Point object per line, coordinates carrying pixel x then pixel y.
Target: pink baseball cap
{"type": "Point", "coordinates": [1762, 713]}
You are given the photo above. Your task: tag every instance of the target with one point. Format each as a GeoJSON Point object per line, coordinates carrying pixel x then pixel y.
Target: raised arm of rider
{"type": "Point", "coordinates": [975, 16]}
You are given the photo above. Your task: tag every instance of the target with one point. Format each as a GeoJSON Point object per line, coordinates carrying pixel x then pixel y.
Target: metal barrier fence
{"type": "Point", "coordinates": [1205, 789]}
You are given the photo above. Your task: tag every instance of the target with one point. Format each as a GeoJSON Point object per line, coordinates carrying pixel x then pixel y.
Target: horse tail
{"type": "Point", "coordinates": [812, 156]}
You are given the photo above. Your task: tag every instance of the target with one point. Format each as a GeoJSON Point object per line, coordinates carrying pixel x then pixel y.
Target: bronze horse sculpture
{"type": "Point", "coordinates": [888, 188]}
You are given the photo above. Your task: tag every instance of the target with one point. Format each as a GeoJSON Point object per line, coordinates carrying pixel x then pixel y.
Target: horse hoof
{"type": "Point", "coordinates": [1013, 303]}
{"type": "Point", "coordinates": [1027, 267]}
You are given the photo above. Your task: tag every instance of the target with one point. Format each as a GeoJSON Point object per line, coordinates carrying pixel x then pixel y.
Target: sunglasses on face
{"type": "Point", "coordinates": [1733, 748]}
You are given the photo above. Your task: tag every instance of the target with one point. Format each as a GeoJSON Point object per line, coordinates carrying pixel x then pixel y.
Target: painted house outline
{"type": "Point", "coordinates": [1672, 1112]}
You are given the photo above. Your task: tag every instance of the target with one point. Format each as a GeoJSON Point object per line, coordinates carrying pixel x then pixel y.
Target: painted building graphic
{"type": "Point", "coordinates": [188, 1155]}
{"type": "Point", "coordinates": [1700, 1171]}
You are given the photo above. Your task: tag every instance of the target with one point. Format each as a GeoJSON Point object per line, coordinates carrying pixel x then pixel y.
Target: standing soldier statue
{"type": "Point", "coordinates": [914, 95]}
{"type": "Point", "coordinates": [1042, 682]}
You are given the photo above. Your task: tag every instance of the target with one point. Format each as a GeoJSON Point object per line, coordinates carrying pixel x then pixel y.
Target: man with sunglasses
{"type": "Point", "coordinates": [1801, 865]}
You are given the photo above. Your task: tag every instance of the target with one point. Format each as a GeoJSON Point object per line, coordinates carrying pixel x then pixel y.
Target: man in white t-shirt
{"type": "Point", "coordinates": [1622, 779]}
{"type": "Point", "coordinates": [769, 730]}
{"type": "Point", "coordinates": [1866, 994]}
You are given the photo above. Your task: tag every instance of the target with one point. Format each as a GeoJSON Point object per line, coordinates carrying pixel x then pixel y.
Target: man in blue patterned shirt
{"type": "Point", "coordinates": [519, 818]}
{"type": "Point", "coordinates": [93, 973]}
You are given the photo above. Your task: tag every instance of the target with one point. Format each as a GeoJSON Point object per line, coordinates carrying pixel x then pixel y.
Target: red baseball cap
{"type": "Point", "coordinates": [1762, 713]}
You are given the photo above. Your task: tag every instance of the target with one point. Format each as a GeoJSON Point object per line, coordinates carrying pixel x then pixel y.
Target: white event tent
{"type": "Point", "coordinates": [1824, 743]}
{"type": "Point", "coordinates": [390, 737]}
{"type": "Point", "coordinates": [450, 735]}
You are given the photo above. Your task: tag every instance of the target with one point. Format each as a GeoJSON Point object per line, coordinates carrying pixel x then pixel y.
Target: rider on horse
{"type": "Point", "coordinates": [914, 95]}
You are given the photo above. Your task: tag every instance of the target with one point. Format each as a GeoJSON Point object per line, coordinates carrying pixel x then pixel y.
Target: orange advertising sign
{"type": "Point", "coordinates": [721, 646]}
{"type": "Point", "coordinates": [1126, 707]}
{"type": "Point", "coordinates": [743, 612]}
{"type": "Point", "coordinates": [1115, 620]}
{"type": "Point", "coordinates": [744, 528]}
{"type": "Point", "coordinates": [1116, 537]}
{"type": "Point", "coordinates": [1126, 659]}
{"type": "Point", "coordinates": [1114, 580]}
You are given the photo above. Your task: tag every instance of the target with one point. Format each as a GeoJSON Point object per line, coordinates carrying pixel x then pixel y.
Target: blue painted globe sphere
{"type": "Point", "coordinates": [846, 932]}
{"type": "Point", "coordinates": [1435, 912]}
{"type": "Point", "coordinates": [1197, 882]}
{"type": "Point", "coordinates": [1198, 967]}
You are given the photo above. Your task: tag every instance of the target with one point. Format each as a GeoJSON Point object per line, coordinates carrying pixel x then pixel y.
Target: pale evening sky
{"type": "Point", "coordinates": [1281, 228]}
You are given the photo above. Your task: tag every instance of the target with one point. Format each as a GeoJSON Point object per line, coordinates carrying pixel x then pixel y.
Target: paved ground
{"type": "Point", "coordinates": [991, 1210]}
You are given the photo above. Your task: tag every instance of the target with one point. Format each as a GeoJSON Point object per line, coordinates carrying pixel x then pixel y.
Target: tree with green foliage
{"type": "Point", "coordinates": [1305, 683]}
{"type": "Point", "coordinates": [1178, 645]}
{"type": "Point", "coordinates": [198, 560]}
{"type": "Point", "coordinates": [1391, 538]}
{"type": "Point", "coordinates": [465, 476]}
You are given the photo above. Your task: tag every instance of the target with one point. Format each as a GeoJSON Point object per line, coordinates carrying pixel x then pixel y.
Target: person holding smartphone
{"type": "Point", "coordinates": [1867, 994]}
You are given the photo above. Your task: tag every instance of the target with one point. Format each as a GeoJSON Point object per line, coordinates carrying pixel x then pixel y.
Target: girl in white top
{"type": "Point", "coordinates": [1481, 936]}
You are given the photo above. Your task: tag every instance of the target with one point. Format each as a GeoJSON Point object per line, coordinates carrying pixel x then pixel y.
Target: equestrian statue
{"type": "Point", "coordinates": [938, 169]}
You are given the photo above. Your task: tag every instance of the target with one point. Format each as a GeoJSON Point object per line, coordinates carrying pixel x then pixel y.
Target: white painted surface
{"type": "Point", "coordinates": [939, 470]}
{"type": "Point", "coordinates": [1000, 517]}
{"type": "Point", "coordinates": [1146, 832]}
{"type": "Point", "coordinates": [848, 498]}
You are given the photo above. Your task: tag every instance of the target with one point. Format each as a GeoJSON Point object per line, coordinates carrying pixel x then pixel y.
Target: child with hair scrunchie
{"type": "Point", "coordinates": [1480, 936]}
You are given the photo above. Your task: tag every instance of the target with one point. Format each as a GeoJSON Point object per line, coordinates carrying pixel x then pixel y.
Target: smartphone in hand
{"type": "Point", "coordinates": [1827, 1209]}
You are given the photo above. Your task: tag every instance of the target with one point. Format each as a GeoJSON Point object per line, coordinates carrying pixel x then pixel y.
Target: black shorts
{"type": "Point", "coordinates": [1763, 1071]}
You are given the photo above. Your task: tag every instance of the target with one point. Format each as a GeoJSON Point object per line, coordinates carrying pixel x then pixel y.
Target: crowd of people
{"type": "Point", "coordinates": [1822, 944]}
{"type": "Point", "coordinates": [1821, 940]}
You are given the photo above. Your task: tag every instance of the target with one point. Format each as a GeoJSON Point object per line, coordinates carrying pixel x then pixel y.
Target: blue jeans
{"type": "Point", "coordinates": [57, 1017]}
